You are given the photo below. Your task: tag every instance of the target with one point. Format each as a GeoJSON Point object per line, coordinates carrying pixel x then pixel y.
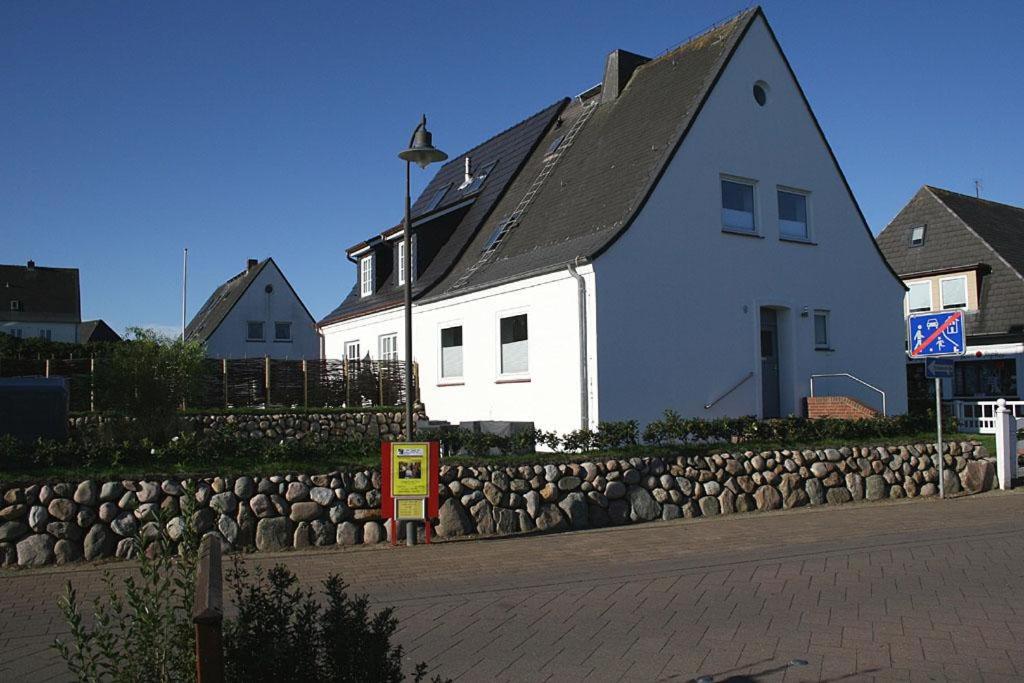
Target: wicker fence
{"type": "Point", "coordinates": [246, 383]}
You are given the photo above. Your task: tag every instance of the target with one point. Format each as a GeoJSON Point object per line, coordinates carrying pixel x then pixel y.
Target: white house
{"type": "Point", "coordinates": [40, 302]}
{"type": "Point", "coordinates": [679, 236]}
{"type": "Point", "coordinates": [256, 314]}
{"type": "Point", "coordinates": [955, 251]}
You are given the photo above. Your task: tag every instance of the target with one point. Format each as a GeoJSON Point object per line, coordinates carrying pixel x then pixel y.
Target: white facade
{"type": "Point", "coordinates": [232, 337]}
{"type": "Point", "coordinates": [58, 332]}
{"type": "Point", "coordinates": [674, 308]}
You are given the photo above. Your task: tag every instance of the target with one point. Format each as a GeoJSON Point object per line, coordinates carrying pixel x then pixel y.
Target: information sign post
{"type": "Point", "coordinates": [409, 480]}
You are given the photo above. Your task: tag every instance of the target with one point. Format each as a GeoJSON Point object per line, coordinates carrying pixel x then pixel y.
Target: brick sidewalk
{"type": "Point", "coordinates": [908, 590]}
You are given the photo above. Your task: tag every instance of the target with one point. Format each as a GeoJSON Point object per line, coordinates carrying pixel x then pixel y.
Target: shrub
{"type": "Point", "coordinates": [284, 633]}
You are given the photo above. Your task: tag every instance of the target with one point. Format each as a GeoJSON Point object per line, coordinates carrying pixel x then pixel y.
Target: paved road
{"type": "Point", "coordinates": [907, 590]}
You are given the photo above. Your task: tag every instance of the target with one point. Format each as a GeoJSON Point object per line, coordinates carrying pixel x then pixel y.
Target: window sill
{"type": "Point", "coordinates": [742, 233]}
{"type": "Point", "coordinates": [451, 383]}
{"type": "Point", "coordinates": [282, 341]}
{"type": "Point", "coordinates": [256, 341]}
{"type": "Point", "coordinates": [511, 380]}
{"type": "Point", "coordinates": [797, 240]}
{"type": "Point", "coordinates": [826, 349]}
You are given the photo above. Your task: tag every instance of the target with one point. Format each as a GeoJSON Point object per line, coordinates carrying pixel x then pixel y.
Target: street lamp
{"type": "Point", "coordinates": [422, 153]}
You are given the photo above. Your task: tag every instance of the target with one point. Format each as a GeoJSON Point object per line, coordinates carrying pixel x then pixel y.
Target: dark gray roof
{"type": "Point", "coordinates": [96, 331]}
{"type": "Point", "coordinates": [507, 150]}
{"type": "Point", "coordinates": [43, 294]}
{"type": "Point", "coordinates": [964, 233]}
{"type": "Point", "coordinates": [209, 317]}
{"type": "Point", "coordinates": [604, 178]}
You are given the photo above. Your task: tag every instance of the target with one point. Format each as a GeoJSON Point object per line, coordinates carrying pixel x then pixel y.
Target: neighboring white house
{"type": "Point", "coordinates": [679, 236]}
{"type": "Point", "coordinates": [955, 251]}
{"type": "Point", "coordinates": [256, 314]}
{"type": "Point", "coordinates": [40, 302]}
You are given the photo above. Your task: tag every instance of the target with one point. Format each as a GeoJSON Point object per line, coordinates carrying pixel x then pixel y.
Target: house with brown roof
{"type": "Point", "coordinates": [256, 314]}
{"type": "Point", "coordinates": [39, 301]}
{"type": "Point", "coordinates": [679, 235]}
{"type": "Point", "coordinates": [955, 251]}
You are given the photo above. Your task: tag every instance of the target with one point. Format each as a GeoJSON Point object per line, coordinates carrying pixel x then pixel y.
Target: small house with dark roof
{"type": "Point", "coordinates": [955, 251]}
{"type": "Point", "coordinates": [39, 301]}
{"type": "Point", "coordinates": [96, 331]}
{"type": "Point", "coordinates": [678, 236]}
{"type": "Point", "coordinates": [256, 314]}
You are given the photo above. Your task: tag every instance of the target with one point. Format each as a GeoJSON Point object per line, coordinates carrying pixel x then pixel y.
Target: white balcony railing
{"type": "Point", "coordinates": [980, 416]}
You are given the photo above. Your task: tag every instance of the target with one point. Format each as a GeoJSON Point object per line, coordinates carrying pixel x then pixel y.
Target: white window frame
{"type": "Point", "coordinates": [348, 347]}
{"type": "Point", "coordinates": [393, 355]}
{"type": "Point", "coordinates": [910, 285]}
{"type": "Point", "coordinates": [283, 340]}
{"type": "Point", "coordinates": [827, 315]}
{"type": "Point", "coordinates": [263, 329]}
{"type": "Point", "coordinates": [752, 184]}
{"type": "Point", "coordinates": [443, 379]}
{"type": "Point", "coordinates": [942, 295]}
{"type": "Point", "coordinates": [15, 304]}
{"type": "Point", "coordinates": [501, 375]}
{"type": "Point", "coordinates": [366, 275]}
{"type": "Point", "coordinates": [401, 262]}
{"type": "Point", "coordinates": [807, 211]}
{"type": "Point", "coordinates": [924, 231]}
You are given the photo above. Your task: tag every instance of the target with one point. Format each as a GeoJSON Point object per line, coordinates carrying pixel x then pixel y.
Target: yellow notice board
{"type": "Point", "coordinates": [409, 508]}
{"type": "Point", "coordinates": [409, 464]}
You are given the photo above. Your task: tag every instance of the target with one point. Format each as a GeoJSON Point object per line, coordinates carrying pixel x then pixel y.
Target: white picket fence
{"type": "Point", "coordinates": [980, 416]}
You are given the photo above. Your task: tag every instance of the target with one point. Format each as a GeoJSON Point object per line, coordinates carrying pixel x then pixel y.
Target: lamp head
{"type": "Point", "coordinates": [421, 151]}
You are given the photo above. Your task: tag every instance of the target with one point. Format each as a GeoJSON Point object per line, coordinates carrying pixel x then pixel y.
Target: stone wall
{"type": "Point", "coordinates": [277, 426]}
{"type": "Point", "coordinates": [64, 522]}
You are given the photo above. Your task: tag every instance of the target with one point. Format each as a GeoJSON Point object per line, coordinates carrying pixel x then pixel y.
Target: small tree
{"type": "Point", "coordinates": [149, 378]}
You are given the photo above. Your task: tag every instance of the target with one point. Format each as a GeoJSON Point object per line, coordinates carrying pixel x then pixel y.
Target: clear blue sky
{"type": "Point", "coordinates": [131, 130]}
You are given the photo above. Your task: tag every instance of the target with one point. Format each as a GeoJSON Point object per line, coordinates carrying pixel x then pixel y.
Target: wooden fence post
{"type": "Point", "coordinates": [266, 379]}
{"type": "Point", "coordinates": [47, 366]}
{"type": "Point", "coordinates": [305, 385]}
{"type": "Point", "coordinates": [380, 381]}
{"type": "Point", "coordinates": [92, 384]}
{"type": "Point", "coordinates": [224, 375]}
{"type": "Point", "coordinates": [208, 613]}
{"type": "Point", "coordinates": [345, 375]}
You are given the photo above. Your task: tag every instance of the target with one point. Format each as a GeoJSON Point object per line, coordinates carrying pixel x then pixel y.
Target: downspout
{"type": "Point", "coordinates": [581, 287]}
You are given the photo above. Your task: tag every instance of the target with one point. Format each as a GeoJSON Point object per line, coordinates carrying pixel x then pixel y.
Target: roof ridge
{"type": "Point", "coordinates": [721, 23]}
{"type": "Point", "coordinates": [933, 189]}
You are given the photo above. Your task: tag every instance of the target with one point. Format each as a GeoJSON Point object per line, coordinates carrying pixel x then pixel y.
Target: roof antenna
{"type": "Point", "coordinates": [977, 188]}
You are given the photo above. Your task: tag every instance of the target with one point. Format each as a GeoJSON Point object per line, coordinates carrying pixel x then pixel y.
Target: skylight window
{"type": "Point", "coordinates": [435, 199]}
{"type": "Point", "coordinates": [555, 144]}
{"type": "Point", "coordinates": [917, 236]}
{"type": "Point", "coordinates": [479, 178]}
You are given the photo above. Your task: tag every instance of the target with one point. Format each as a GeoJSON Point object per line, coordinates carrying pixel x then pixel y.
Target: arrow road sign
{"type": "Point", "coordinates": [938, 368]}
{"type": "Point", "coordinates": [937, 333]}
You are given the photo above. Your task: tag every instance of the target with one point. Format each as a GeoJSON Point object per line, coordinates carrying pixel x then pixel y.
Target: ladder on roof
{"type": "Point", "coordinates": [510, 221]}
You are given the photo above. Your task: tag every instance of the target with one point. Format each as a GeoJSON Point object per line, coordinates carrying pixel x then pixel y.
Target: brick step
{"type": "Point", "coordinates": [842, 407]}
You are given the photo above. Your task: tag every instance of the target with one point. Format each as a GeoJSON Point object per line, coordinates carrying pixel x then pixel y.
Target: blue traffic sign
{"type": "Point", "coordinates": [938, 333]}
{"type": "Point", "coordinates": [938, 368]}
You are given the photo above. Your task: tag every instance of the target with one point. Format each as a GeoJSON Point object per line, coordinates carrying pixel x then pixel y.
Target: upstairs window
{"type": "Point", "coordinates": [954, 292]}
{"type": "Point", "coordinates": [515, 352]}
{"type": "Point", "coordinates": [917, 236]}
{"type": "Point", "coordinates": [919, 297]}
{"type": "Point", "coordinates": [821, 331]}
{"type": "Point", "coordinates": [451, 352]}
{"type": "Point", "coordinates": [400, 249]}
{"type": "Point", "coordinates": [738, 206]}
{"type": "Point", "coordinates": [366, 276]}
{"type": "Point", "coordinates": [793, 215]}
{"type": "Point", "coordinates": [254, 330]}
{"type": "Point", "coordinates": [352, 350]}
{"type": "Point", "coordinates": [282, 331]}
{"type": "Point", "coordinates": [15, 305]}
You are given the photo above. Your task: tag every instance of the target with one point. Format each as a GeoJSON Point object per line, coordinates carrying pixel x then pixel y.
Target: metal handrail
{"type": "Point", "coordinates": [707, 406]}
{"type": "Point", "coordinates": [855, 379]}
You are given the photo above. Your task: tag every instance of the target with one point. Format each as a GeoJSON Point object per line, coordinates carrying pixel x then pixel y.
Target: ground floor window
{"type": "Point", "coordinates": [451, 351]}
{"type": "Point", "coordinates": [515, 356]}
{"type": "Point", "coordinates": [389, 347]}
{"type": "Point", "coordinates": [995, 378]}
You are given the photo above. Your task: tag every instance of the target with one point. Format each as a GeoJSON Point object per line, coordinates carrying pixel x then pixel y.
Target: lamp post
{"type": "Point", "coordinates": [422, 153]}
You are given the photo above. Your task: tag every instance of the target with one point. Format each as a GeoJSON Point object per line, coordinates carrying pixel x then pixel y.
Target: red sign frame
{"type": "Point", "coordinates": [387, 496]}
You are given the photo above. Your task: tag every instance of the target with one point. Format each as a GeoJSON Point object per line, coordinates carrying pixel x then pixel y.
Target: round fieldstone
{"type": "Point", "coordinates": [62, 509]}
{"type": "Point", "coordinates": [99, 543]}
{"type": "Point", "coordinates": [244, 488]}
{"type": "Point", "coordinates": [875, 488]}
{"type": "Point", "coordinates": [768, 498]}
{"type": "Point", "coordinates": [550, 518]}
{"type": "Point", "coordinates": [224, 503]}
{"type": "Point", "coordinates": [453, 520]}
{"type": "Point", "coordinates": [708, 506]}
{"type": "Point", "coordinates": [38, 517]}
{"type": "Point", "coordinates": [321, 495]}
{"type": "Point", "coordinates": [12, 531]}
{"type": "Point", "coordinates": [615, 490]}
{"type": "Point", "coordinates": [111, 490]}
{"type": "Point", "coordinates": [124, 524]}
{"type": "Point", "coordinates": [149, 492]}
{"type": "Point", "coordinates": [838, 496]}
{"type": "Point", "coordinates": [373, 532]}
{"type": "Point", "coordinates": [228, 529]}
{"type": "Point", "coordinates": [348, 534]}
{"type": "Point", "coordinates": [65, 551]}
{"type": "Point", "coordinates": [296, 492]}
{"type": "Point", "coordinates": [35, 551]}
{"type": "Point", "coordinates": [261, 506]}
{"type": "Point", "coordinates": [305, 511]}
{"type": "Point", "coordinates": [575, 507]}
{"type": "Point", "coordinates": [87, 493]}
{"type": "Point", "coordinates": [274, 533]}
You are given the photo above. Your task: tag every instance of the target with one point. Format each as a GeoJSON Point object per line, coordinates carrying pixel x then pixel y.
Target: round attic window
{"type": "Point", "coordinates": [761, 93]}
{"type": "Point", "coordinates": [268, 289]}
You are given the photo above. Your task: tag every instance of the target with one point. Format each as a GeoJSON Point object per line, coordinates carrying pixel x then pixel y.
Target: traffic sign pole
{"type": "Point", "coordinates": [938, 429]}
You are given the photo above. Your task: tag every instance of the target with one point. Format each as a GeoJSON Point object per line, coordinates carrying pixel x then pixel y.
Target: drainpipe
{"type": "Point", "coordinates": [581, 287]}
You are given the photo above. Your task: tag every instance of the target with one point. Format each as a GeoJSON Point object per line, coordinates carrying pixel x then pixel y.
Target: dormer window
{"type": "Point", "coordinates": [917, 236]}
{"type": "Point", "coordinates": [366, 275]}
{"type": "Point", "coordinates": [401, 260]}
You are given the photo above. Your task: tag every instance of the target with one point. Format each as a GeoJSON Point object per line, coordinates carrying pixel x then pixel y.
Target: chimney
{"type": "Point", "coordinates": [250, 264]}
{"type": "Point", "coordinates": [31, 264]}
{"type": "Point", "coordinates": [618, 69]}
{"type": "Point", "coordinates": [467, 176]}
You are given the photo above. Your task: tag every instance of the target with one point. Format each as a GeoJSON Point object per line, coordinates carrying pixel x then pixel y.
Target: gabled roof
{"type": "Point", "coordinates": [209, 317]}
{"type": "Point", "coordinates": [41, 294]}
{"type": "Point", "coordinates": [599, 184]}
{"type": "Point", "coordinates": [964, 233]}
{"type": "Point", "coordinates": [96, 331]}
{"type": "Point", "coordinates": [508, 151]}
